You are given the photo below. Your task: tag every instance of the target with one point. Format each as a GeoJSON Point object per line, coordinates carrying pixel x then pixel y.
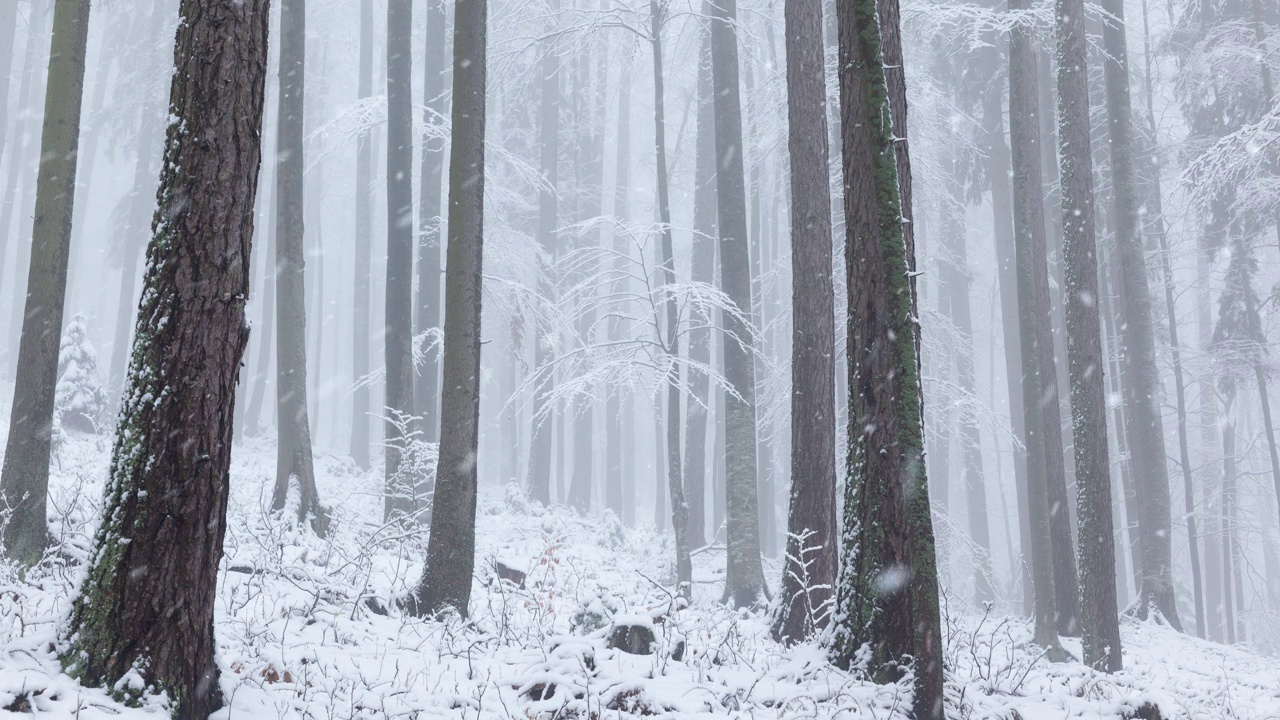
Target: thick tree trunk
{"type": "Point", "coordinates": [361, 311]}
{"type": "Point", "coordinates": [147, 602]}
{"type": "Point", "coordinates": [426, 387]}
{"type": "Point", "coordinates": [293, 454]}
{"type": "Point", "coordinates": [671, 341]}
{"type": "Point", "coordinates": [1146, 434]}
{"type": "Point", "coordinates": [809, 576]}
{"type": "Point", "coordinates": [744, 576]}
{"type": "Point", "coordinates": [1039, 406]}
{"type": "Point", "coordinates": [887, 595]}
{"type": "Point", "coordinates": [446, 580]}
{"type": "Point", "coordinates": [702, 269]}
{"type": "Point", "coordinates": [1100, 627]}
{"type": "Point", "coordinates": [24, 480]}
{"type": "Point", "coordinates": [548, 210]}
{"type": "Point", "coordinates": [402, 494]}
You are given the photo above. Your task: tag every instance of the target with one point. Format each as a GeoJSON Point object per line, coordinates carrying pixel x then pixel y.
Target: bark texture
{"type": "Point", "coordinates": [24, 480]}
{"type": "Point", "coordinates": [887, 597]}
{"type": "Point", "coordinates": [809, 575]}
{"type": "Point", "coordinates": [446, 580]}
{"type": "Point", "coordinates": [149, 594]}
{"type": "Point", "coordinates": [744, 576]}
{"type": "Point", "coordinates": [1100, 626]}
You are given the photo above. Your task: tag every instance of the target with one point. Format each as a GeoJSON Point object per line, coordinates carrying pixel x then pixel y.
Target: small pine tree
{"type": "Point", "coordinates": [80, 402]}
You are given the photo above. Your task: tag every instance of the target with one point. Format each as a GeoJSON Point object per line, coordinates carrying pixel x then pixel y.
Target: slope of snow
{"type": "Point", "coordinates": [308, 628]}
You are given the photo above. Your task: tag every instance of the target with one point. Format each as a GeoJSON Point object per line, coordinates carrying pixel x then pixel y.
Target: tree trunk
{"type": "Point", "coordinates": [679, 509]}
{"type": "Point", "coordinates": [446, 579]}
{"type": "Point", "coordinates": [426, 387]}
{"type": "Point", "coordinates": [8, 29]}
{"type": "Point", "coordinates": [147, 601]}
{"type": "Point", "coordinates": [887, 595]}
{"type": "Point", "coordinates": [615, 496]}
{"type": "Point", "coordinates": [1228, 526]}
{"type": "Point", "coordinates": [1039, 407]}
{"type": "Point", "coordinates": [23, 165]}
{"type": "Point", "coordinates": [958, 284]}
{"type": "Point", "coordinates": [744, 576]}
{"type": "Point", "coordinates": [1100, 626]}
{"type": "Point", "coordinates": [1146, 434]}
{"type": "Point", "coordinates": [402, 496]}
{"type": "Point", "coordinates": [293, 455]}
{"type": "Point", "coordinates": [809, 576]}
{"type": "Point", "coordinates": [548, 220]}
{"type": "Point", "coordinates": [702, 270]}
{"type": "Point", "coordinates": [1002, 210]}
{"type": "Point", "coordinates": [24, 481]}
{"type": "Point", "coordinates": [361, 310]}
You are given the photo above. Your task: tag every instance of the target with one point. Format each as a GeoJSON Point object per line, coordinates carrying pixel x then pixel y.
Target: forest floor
{"type": "Point", "coordinates": [298, 638]}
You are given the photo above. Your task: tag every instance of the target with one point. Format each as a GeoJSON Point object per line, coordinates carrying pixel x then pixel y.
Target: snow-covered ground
{"type": "Point", "coordinates": [298, 636]}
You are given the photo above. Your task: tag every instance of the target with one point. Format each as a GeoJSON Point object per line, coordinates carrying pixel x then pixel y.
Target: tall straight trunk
{"type": "Point", "coordinates": [401, 495]}
{"type": "Point", "coordinates": [1145, 431]}
{"type": "Point", "coordinates": [8, 30]}
{"type": "Point", "coordinates": [548, 210]}
{"type": "Point", "coordinates": [361, 311]}
{"type": "Point", "coordinates": [446, 579]}
{"type": "Point", "coordinates": [147, 603]}
{"type": "Point", "coordinates": [261, 377]}
{"type": "Point", "coordinates": [615, 496]}
{"type": "Point", "coordinates": [1002, 211]}
{"type": "Point", "coordinates": [1038, 405]}
{"type": "Point", "coordinates": [1210, 423]}
{"type": "Point", "coordinates": [809, 576]}
{"type": "Point", "coordinates": [426, 384]}
{"type": "Point", "coordinates": [702, 270]}
{"type": "Point", "coordinates": [293, 454]}
{"type": "Point", "coordinates": [1100, 626]}
{"type": "Point", "coordinates": [744, 576]}
{"type": "Point", "coordinates": [23, 165]}
{"type": "Point", "coordinates": [89, 155]}
{"type": "Point", "coordinates": [1155, 220]}
{"type": "Point", "coordinates": [671, 342]}
{"type": "Point", "coordinates": [1228, 526]}
{"type": "Point", "coordinates": [887, 595]}
{"type": "Point", "coordinates": [958, 285]}
{"type": "Point", "coordinates": [24, 480]}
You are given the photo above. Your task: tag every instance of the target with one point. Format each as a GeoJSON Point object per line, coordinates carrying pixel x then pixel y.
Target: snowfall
{"type": "Point", "coordinates": [308, 628]}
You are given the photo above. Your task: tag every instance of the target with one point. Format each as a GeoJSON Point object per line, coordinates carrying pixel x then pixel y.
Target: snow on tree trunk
{"type": "Point", "coordinates": [147, 602]}
{"type": "Point", "coordinates": [887, 596]}
{"type": "Point", "coordinates": [24, 480]}
{"type": "Point", "coordinates": [446, 580]}
{"type": "Point", "coordinates": [1100, 626]}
